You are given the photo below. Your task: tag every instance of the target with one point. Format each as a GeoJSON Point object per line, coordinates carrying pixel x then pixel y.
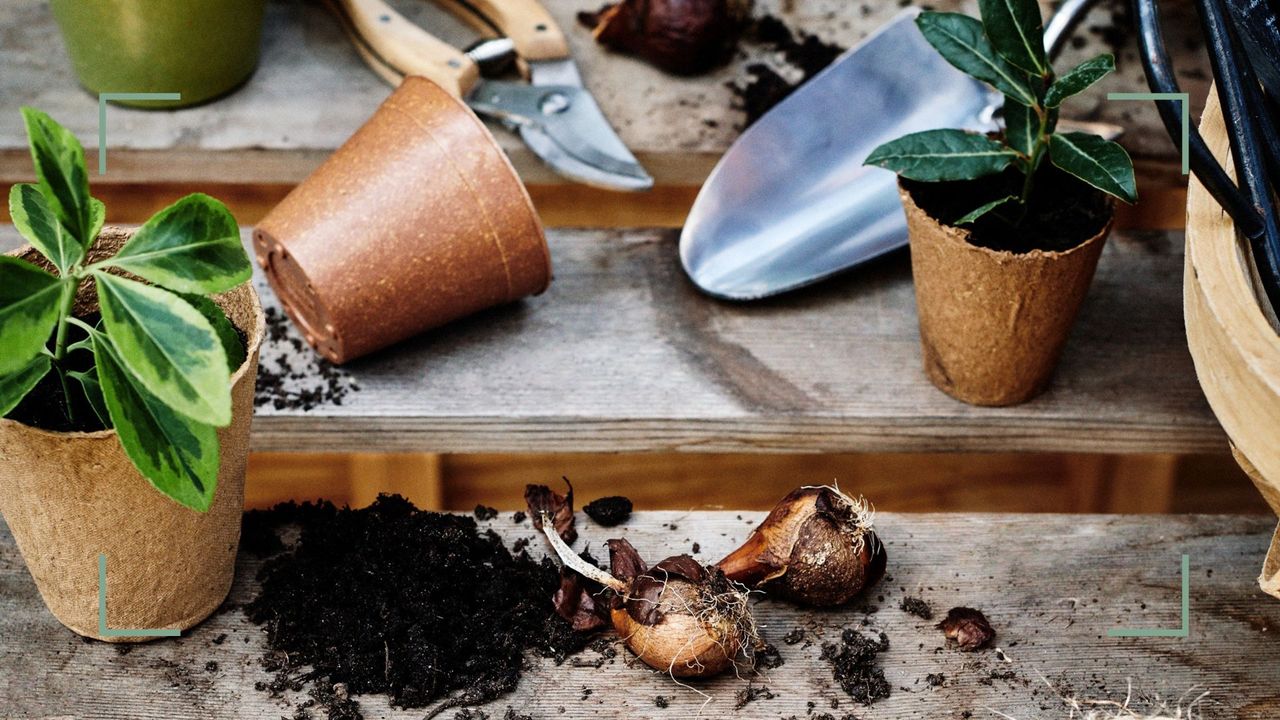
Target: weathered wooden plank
{"type": "Point", "coordinates": [311, 92]}
{"type": "Point", "coordinates": [622, 353]}
{"type": "Point", "coordinates": [1051, 584]}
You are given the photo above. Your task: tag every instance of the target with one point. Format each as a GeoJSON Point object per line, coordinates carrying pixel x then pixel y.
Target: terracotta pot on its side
{"type": "Point", "coordinates": [993, 323]}
{"type": "Point", "coordinates": [417, 220]}
{"type": "Point", "coordinates": [70, 496]}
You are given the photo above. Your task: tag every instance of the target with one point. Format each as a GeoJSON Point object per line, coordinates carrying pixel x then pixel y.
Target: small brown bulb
{"type": "Point", "coordinates": [967, 629]}
{"type": "Point", "coordinates": [817, 547]}
{"type": "Point", "coordinates": [679, 616]}
{"type": "Point", "coordinates": [683, 37]}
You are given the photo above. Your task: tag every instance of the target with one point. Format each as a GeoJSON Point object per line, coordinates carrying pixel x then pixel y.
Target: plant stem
{"type": "Point", "coordinates": [1033, 164]}
{"type": "Point", "coordinates": [572, 561]}
{"type": "Point", "coordinates": [60, 341]}
{"type": "Point", "coordinates": [64, 312]}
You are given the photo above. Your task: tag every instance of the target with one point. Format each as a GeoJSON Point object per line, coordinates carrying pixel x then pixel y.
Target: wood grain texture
{"type": "Point", "coordinates": [623, 354]}
{"type": "Point", "coordinates": [1051, 584]}
{"type": "Point", "coordinates": [311, 92]}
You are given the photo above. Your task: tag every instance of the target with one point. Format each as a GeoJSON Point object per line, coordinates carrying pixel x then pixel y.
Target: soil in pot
{"type": "Point", "coordinates": [388, 599]}
{"type": "Point", "coordinates": [1062, 213]}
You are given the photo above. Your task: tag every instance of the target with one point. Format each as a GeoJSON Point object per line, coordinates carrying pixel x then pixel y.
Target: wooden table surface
{"type": "Point", "coordinates": [311, 91]}
{"type": "Point", "coordinates": [623, 354]}
{"type": "Point", "coordinates": [1052, 585]}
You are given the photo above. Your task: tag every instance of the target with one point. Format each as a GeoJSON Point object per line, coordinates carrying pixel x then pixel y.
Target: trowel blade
{"type": "Point", "coordinates": [791, 203]}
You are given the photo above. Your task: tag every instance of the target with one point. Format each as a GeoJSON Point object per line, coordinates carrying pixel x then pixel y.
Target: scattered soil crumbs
{"type": "Point", "coordinates": [797, 635]}
{"type": "Point", "coordinates": [662, 701]}
{"type": "Point", "coordinates": [935, 679]}
{"type": "Point", "coordinates": [291, 376]}
{"type": "Point", "coordinates": [609, 511]}
{"type": "Point", "coordinates": [767, 657]}
{"type": "Point", "coordinates": [389, 599]}
{"type": "Point", "coordinates": [803, 57]}
{"type": "Point", "coordinates": [484, 512]}
{"type": "Point", "coordinates": [916, 606]}
{"type": "Point", "coordinates": [750, 694]}
{"type": "Point", "coordinates": [853, 665]}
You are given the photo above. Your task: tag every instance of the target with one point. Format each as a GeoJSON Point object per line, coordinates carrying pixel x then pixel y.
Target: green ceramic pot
{"type": "Point", "coordinates": [199, 48]}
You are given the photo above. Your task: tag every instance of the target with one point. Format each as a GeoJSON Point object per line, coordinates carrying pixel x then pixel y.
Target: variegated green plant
{"type": "Point", "coordinates": [163, 353]}
{"type": "Point", "coordinates": [1006, 50]}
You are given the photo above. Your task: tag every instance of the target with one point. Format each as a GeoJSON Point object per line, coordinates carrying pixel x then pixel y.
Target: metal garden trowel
{"type": "Point", "coordinates": [791, 203]}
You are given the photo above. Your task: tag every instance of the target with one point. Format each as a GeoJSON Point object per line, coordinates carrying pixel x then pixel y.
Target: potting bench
{"type": "Point", "coordinates": [623, 354]}
{"type": "Point", "coordinates": [1052, 585]}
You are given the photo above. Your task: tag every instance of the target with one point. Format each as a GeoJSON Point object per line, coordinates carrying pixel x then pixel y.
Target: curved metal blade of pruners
{"type": "Point", "coordinates": [563, 125]}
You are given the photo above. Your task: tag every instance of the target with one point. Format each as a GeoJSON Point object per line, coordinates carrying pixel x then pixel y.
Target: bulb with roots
{"type": "Point", "coordinates": [679, 616]}
{"type": "Point", "coordinates": [817, 547]}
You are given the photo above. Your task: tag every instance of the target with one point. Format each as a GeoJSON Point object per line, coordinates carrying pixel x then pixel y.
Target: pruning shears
{"type": "Point", "coordinates": [553, 113]}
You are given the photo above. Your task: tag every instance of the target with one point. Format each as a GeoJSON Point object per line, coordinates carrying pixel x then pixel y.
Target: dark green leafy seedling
{"type": "Point", "coordinates": [160, 361]}
{"type": "Point", "coordinates": [1006, 50]}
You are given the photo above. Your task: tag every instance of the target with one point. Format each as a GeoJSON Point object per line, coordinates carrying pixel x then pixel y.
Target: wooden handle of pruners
{"type": "Point", "coordinates": [526, 23]}
{"type": "Point", "coordinates": [394, 47]}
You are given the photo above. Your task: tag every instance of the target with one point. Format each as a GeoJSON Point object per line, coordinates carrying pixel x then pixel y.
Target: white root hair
{"type": "Point", "coordinates": [860, 510]}
{"type": "Point", "coordinates": [1128, 709]}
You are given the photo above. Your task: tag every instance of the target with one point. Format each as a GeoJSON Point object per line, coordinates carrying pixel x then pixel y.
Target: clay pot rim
{"type": "Point", "coordinates": [254, 335]}
{"type": "Point", "coordinates": [492, 143]}
{"type": "Point", "coordinates": [959, 236]}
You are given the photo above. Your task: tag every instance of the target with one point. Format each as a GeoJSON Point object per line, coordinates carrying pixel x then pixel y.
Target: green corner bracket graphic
{"type": "Point", "coordinates": [1183, 100]}
{"type": "Point", "coordinates": [1184, 631]}
{"type": "Point", "coordinates": [105, 631]}
{"type": "Point", "coordinates": [103, 98]}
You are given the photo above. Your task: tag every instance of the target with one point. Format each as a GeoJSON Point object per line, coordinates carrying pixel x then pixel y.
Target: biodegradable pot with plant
{"type": "Point", "coordinates": [129, 358]}
{"type": "Point", "coordinates": [1005, 230]}
{"type": "Point", "coordinates": [201, 49]}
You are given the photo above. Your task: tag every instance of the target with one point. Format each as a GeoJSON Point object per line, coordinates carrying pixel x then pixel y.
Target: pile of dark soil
{"type": "Point", "coordinates": [1063, 211]}
{"type": "Point", "coordinates": [764, 86]}
{"type": "Point", "coordinates": [418, 605]}
{"type": "Point", "coordinates": [853, 665]}
{"type": "Point", "coordinates": [291, 376]}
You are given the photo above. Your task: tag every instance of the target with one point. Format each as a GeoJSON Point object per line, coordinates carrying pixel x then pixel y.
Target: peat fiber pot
{"type": "Point", "coordinates": [1233, 342]}
{"type": "Point", "coordinates": [201, 49]}
{"type": "Point", "coordinates": [417, 220]}
{"type": "Point", "coordinates": [70, 496]}
{"type": "Point", "coordinates": [993, 323]}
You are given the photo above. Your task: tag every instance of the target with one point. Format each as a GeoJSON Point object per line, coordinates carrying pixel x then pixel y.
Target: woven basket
{"type": "Point", "coordinates": [1234, 342]}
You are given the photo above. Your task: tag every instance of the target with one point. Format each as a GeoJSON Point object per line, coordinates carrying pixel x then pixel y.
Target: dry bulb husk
{"type": "Point", "coordinates": [679, 616]}
{"type": "Point", "coordinates": [817, 547]}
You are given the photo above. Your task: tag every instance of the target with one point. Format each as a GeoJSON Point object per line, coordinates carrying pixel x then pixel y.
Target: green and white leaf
{"type": "Point", "coordinates": [60, 172]}
{"type": "Point", "coordinates": [192, 246]}
{"type": "Point", "coordinates": [39, 224]}
{"type": "Point", "coordinates": [1079, 78]}
{"type": "Point", "coordinates": [981, 210]}
{"type": "Point", "coordinates": [1098, 162]}
{"type": "Point", "coordinates": [1016, 31]}
{"type": "Point", "coordinates": [943, 155]}
{"type": "Point", "coordinates": [97, 218]}
{"type": "Point", "coordinates": [30, 300]}
{"type": "Point", "coordinates": [169, 346]}
{"type": "Point", "coordinates": [177, 455]}
{"type": "Point", "coordinates": [92, 389]}
{"type": "Point", "coordinates": [16, 385]}
{"type": "Point", "coordinates": [226, 331]}
{"type": "Point", "coordinates": [961, 40]}
{"type": "Point", "coordinates": [1021, 126]}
